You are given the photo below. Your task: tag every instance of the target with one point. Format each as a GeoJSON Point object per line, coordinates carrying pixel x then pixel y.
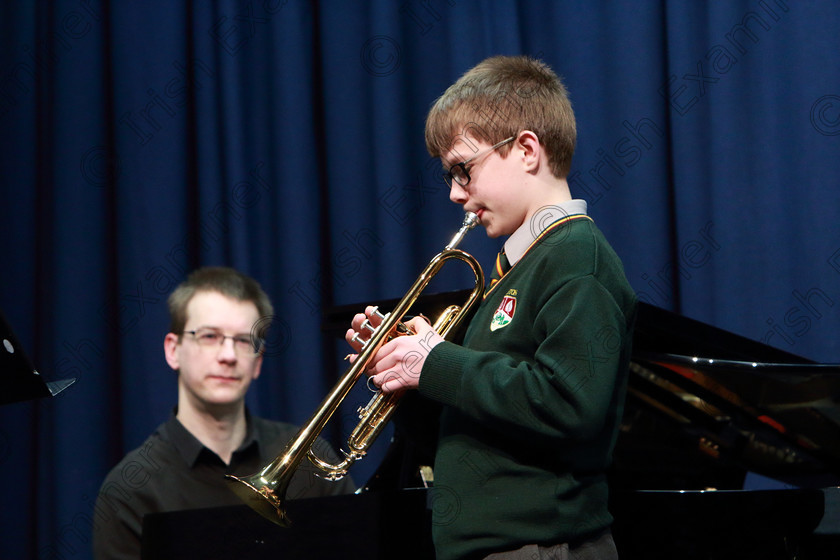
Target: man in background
{"type": "Point", "coordinates": [218, 317]}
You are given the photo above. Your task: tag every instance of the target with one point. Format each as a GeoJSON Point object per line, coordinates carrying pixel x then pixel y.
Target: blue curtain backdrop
{"type": "Point", "coordinates": [285, 138]}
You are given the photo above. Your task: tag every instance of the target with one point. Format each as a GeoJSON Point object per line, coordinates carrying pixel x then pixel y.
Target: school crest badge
{"type": "Point", "coordinates": [504, 314]}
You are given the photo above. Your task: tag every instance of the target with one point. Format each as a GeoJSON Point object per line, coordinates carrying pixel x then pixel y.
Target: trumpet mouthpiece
{"type": "Point", "coordinates": [470, 221]}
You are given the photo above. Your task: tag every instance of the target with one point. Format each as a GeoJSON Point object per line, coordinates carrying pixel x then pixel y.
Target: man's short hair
{"type": "Point", "coordinates": [499, 98]}
{"type": "Point", "coordinates": [226, 281]}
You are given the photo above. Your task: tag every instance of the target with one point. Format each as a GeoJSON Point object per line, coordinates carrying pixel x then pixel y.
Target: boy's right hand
{"type": "Point", "coordinates": [362, 326]}
{"type": "Point", "coordinates": [397, 365]}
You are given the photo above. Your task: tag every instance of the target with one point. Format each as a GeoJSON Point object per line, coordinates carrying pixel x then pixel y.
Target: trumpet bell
{"type": "Point", "coordinates": [262, 496]}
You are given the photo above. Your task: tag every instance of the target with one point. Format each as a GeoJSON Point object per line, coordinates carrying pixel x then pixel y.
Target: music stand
{"type": "Point", "coordinates": [20, 380]}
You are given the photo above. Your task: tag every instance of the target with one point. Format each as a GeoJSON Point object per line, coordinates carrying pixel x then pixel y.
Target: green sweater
{"type": "Point", "coordinates": [533, 399]}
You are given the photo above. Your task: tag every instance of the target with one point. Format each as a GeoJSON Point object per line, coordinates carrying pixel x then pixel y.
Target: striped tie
{"type": "Point", "coordinates": [502, 266]}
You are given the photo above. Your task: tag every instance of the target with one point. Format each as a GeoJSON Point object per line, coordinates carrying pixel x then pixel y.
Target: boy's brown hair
{"type": "Point", "coordinates": [497, 99]}
{"type": "Point", "coordinates": [227, 281]}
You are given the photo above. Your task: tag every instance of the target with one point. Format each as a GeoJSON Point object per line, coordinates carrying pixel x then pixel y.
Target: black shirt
{"type": "Point", "coordinates": [173, 471]}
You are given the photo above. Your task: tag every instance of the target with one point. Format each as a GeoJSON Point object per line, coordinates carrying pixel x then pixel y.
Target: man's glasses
{"type": "Point", "coordinates": [242, 343]}
{"type": "Point", "coordinates": [459, 172]}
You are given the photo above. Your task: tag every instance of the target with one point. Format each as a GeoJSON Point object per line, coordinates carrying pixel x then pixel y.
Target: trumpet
{"type": "Point", "coordinates": [265, 491]}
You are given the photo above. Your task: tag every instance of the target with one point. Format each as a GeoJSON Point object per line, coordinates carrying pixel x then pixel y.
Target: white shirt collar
{"type": "Point", "coordinates": [521, 239]}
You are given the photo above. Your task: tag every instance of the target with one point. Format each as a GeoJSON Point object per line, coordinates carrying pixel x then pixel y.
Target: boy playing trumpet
{"type": "Point", "coordinates": [533, 398]}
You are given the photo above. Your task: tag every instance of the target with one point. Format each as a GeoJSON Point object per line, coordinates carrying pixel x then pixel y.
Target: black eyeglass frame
{"type": "Point", "coordinates": [449, 176]}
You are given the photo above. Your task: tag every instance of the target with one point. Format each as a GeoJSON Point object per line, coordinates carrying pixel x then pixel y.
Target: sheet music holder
{"type": "Point", "coordinates": [19, 380]}
{"type": "Point", "coordinates": [366, 526]}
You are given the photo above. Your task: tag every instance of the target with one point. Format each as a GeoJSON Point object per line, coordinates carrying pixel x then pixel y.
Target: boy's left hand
{"type": "Point", "coordinates": [398, 363]}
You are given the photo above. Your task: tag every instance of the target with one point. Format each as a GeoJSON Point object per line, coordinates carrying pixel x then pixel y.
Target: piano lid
{"type": "Point", "coordinates": [708, 397]}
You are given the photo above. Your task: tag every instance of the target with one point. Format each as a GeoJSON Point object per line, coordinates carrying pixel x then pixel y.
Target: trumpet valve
{"type": "Point", "coordinates": [368, 326]}
{"type": "Point", "coordinates": [375, 313]}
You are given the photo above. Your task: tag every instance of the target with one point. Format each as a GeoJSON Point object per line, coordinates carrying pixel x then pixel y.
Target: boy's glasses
{"type": "Point", "coordinates": [459, 172]}
{"type": "Point", "coordinates": [242, 343]}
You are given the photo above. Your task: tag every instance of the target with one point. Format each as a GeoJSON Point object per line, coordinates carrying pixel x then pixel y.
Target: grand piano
{"type": "Point", "coordinates": [729, 449]}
